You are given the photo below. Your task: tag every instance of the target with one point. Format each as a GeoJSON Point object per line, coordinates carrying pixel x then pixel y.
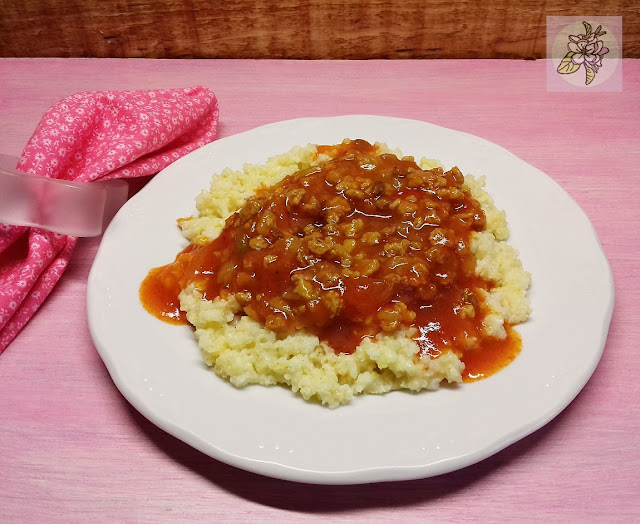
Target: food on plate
{"type": "Point", "coordinates": [346, 269]}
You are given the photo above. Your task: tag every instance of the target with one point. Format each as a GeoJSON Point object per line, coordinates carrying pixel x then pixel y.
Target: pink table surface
{"type": "Point", "coordinates": [71, 447]}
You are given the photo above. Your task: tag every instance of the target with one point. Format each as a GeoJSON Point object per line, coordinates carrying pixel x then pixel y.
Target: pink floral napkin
{"type": "Point", "coordinates": [86, 137]}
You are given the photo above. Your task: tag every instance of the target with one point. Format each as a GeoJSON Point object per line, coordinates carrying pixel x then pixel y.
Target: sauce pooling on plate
{"type": "Point", "coordinates": [362, 244]}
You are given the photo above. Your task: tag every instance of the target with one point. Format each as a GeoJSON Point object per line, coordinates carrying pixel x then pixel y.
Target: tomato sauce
{"type": "Point", "coordinates": [363, 244]}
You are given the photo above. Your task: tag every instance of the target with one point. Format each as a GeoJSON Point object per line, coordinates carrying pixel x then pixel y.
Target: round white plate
{"type": "Point", "coordinates": [397, 436]}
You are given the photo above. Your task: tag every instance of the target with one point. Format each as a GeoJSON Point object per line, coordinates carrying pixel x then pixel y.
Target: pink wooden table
{"type": "Point", "coordinates": [71, 447]}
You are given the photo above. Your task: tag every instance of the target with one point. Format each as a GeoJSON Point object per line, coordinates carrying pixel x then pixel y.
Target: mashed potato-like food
{"type": "Point", "coordinates": [250, 346]}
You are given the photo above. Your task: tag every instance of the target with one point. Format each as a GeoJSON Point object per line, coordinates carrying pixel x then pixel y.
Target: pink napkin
{"type": "Point", "coordinates": [85, 137]}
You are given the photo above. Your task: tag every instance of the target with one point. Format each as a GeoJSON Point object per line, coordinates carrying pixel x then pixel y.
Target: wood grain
{"type": "Point", "coordinates": [303, 29]}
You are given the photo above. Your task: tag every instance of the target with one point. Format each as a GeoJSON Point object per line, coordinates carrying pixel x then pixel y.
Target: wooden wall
{"type": "Point", "coordinates": [295, 28]}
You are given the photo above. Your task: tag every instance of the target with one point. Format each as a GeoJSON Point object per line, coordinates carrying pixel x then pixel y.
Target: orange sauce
{"type": "Point", "coordinates": [491, 357]}
{"type": "Point", "coordinates": [160, 297]}
{"type": "Point", "coordinates": [352, 306]}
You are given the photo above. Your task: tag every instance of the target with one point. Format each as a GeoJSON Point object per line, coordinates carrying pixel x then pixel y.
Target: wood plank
{"type": "Point", "coordinates": [303, 29]}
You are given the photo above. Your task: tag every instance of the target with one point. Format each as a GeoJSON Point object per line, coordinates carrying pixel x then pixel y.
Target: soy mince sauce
{"type": "Point", "coordinates": [362, 244]}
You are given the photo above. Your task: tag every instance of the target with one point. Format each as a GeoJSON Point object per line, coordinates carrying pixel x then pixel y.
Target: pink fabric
{"type": "Point", "coordinates": [85, 137]}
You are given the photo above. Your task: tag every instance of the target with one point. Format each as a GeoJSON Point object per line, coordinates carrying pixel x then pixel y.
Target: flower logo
{"type": "Point", "coordinates": [584, 50]}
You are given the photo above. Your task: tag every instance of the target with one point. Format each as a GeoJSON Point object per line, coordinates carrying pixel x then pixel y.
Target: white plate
{"type": "Point", "coordinates": [397, 436]}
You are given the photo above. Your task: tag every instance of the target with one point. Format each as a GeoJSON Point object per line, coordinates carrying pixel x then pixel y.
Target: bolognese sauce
{"type": "Point", "coordinates": [362, 244]}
